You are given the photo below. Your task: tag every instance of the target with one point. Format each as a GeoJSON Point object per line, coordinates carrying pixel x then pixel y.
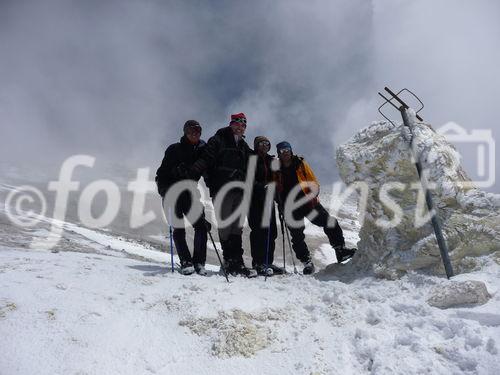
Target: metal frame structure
{"type": "Point", "coordinates": [408, 121]}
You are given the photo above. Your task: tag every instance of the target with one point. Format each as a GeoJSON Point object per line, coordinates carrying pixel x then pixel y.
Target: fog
{"type": "Point", "coordinates": [117, 79]}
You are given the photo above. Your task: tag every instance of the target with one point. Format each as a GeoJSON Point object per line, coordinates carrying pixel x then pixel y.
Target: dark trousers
{"type": "Point", "coordinates": [261, 237]}
{"type": "Point", "coordinates": [334, 233]}
{"type": "Point", "coordinates": [231, 235]}
{"type": "Point", "coordinates": [182, 207]}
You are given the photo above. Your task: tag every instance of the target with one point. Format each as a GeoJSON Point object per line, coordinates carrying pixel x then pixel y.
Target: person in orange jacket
{"type": "Point", "coordinates": [294, 170]}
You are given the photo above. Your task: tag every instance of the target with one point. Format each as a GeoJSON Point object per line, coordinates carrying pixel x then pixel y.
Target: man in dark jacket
{"type": "Point", "coordinates": [295, 171]}
{"type": "Point", "coordinates": [225, 159]}
{"type": "Point", "coordinates": [262, 242]}
{"type": "Point", "coordinates": [178, 158]}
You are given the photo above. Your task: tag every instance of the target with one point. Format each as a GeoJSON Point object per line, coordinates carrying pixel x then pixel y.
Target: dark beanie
{"type": "Point", "coordinates": [283, 145]}
{"type": "Point", "coordinates": [258, 139]}
{"type": "Point", "coordinates": [191, 124]}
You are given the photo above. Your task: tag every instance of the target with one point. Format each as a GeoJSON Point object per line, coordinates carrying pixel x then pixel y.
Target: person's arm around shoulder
{"type": "Point", "coordinates": [208, 156]}
{"type": "Point", "coordinates": [166, 169]}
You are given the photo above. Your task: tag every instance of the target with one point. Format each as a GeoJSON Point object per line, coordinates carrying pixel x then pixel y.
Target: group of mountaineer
{"type": "Point", "coordinates": [225, 159]}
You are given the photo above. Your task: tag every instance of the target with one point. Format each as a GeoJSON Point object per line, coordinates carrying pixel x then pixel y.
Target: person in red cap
{"type": "Point", "coordinates": [225, 159]}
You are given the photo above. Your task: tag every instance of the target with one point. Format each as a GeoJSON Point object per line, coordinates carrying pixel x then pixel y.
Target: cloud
{"type": "Point", "coordinates": [119, 78]}
{"type": "Point", "coordinates": [444, 52]}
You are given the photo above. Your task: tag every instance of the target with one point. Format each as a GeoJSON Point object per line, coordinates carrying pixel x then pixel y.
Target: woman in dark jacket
{"type": "Point", "coordinates": [262, 242]}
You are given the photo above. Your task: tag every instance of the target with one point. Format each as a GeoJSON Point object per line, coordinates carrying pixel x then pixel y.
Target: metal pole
{"type": "Point", "coordinates": [282, 219]}
{"type": "Point", "coordinates": [268, 239]}
{"type": "Point", "coordinates": [218, 256]}
{"type": "Point", "coordinates": [291, 252]}
{"type": "Point", "coordinates": [171, 239]}
{"type": "Point", "coordinates": [436, 222]}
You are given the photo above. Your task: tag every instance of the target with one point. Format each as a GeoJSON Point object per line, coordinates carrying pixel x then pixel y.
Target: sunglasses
{"type": "Point", "coordinates": [284, 150]}
{"type": "Point", "coordinates": [193, 130]}
{"type": "Point", "coordinates": [264, 143]}
{"type": "Point", "coordinates": [239, 121]}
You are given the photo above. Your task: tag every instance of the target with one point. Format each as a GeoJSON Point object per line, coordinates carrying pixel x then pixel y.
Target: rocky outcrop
{"type": "Point", "coordinates": [455, 294]}
{"type": "Point", "coordinates": [378, 158]}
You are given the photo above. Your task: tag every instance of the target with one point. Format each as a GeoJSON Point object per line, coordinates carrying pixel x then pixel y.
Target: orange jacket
{"type": "Point", "coordinates": [305, 176]}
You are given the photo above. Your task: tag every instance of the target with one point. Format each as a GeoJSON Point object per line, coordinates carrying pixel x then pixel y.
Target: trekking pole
{"type": "Point", "coordinates": [291, 252]}
{"type": "Point", "coordinates": [283, 238]}
{"type": "Point", "coordinates": [268, 239]}
{"type": "Point", "coordinates": [436, 222]}
{"type": "Point", "coordinates": [280, 215]}
{"type": "Point", "coordinates": [218, 256]}
{"type": "Point", "coordinates": [171, 238]}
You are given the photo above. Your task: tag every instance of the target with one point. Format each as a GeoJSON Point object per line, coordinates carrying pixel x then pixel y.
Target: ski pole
{"type": "Point", "coordinates": [291, 252]}
{"type": "Point", "coordinates": [280, 215]}
{"type": "Point", "coordinates": [283, 238]}
{"type": "Point", "coordinates": [268, 239]}
{"type": "Point", "coordinates": [171, 238]}
{"type": "Point", "coordinates": [218, 256]}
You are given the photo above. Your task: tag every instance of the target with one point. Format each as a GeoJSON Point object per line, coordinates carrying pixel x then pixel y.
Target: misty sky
{"type": "Point", "coordinates": [119, 78]}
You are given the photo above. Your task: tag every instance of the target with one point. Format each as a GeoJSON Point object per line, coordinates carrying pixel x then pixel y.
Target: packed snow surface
{"type": "Point", "coordinates": [103, 303]}
{"type": "Point", "coordinates": [88, 313]}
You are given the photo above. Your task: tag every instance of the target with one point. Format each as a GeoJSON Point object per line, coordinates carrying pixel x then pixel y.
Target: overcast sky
{"type": "Point", "coordinates": [119, 78]}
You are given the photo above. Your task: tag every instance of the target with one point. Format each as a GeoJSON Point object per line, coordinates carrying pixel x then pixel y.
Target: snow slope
{"type": "Point", "coordinates": [71, 312]}
{"type": "Point", "coordinates": [106, 304]}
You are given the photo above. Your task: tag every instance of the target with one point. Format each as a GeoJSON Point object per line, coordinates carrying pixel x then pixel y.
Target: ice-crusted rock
{"type": "Point", "coordinates": [380, 154]}
{"type": "Point", "coordinates": [462, 293]}
{"type": "Point", "coordinates": [235, 333]}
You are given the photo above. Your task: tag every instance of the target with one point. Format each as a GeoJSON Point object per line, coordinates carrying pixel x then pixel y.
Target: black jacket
{"type": "Point", "coordinates": [263, 175]}
{"type": "Point", "coordinates": [223, 159]}
{"type": "Point", "coordinates": [178, 159]}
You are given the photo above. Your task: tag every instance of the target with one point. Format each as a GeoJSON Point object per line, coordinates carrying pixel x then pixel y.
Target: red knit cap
{"type": "Point", "coordinates": [238, 118]}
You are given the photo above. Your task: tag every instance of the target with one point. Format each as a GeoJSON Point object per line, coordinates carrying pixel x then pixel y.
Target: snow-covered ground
{"type": "Point", "coordinates": [105, 304]}
{"type": "Point", "coordinates": [70, 312]}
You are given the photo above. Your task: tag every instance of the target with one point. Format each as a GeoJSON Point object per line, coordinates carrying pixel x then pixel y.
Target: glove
{"type": "Point", "coordinates": [193, 174]}
{"type": "Point", "coordinates": [162, 190]}
{"type": "Point", "coordinates": [281, 216]}
{"type": "Point", "coordinates": [182, 172]}
{"type": "Point", "coordinates": [237, 175]}
{"type": "Point", "coordinates": [259, 189]}
{"type": "Point", "coordinates": [208, 225]}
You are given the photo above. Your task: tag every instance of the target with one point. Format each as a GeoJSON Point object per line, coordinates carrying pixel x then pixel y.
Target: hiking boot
{"type": "Point", "coordinates": [308, 268]}
{"type": "Point", "coordinates": [187, 268]}
{"type": "Point", "coordinates": [262, 270]}
{"type": "Point", "coordinates": [277, 270]}
{"type": "Point", "coordinates": [238, 268]}
{"type": "Point", "coordinates": [200, 269]}
{"type": "Point", "coordinates": [344, 253]}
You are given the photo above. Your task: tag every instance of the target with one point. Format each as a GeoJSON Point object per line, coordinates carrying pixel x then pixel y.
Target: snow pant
{"type": "Point", "coordinates": [334, 233]}
{"type": "Point", "coordinates": [230, 235]}
{"type": "Point", "coordinates": [182, 207]}
{"type": "Point", "coordinates": [260, 238]}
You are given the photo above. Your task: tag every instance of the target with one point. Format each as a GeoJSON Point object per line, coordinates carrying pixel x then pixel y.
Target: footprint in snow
{"type": "Point", "coordinates": [90, 315]}
{"type": "Point", "coordinates": [6, 307]}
